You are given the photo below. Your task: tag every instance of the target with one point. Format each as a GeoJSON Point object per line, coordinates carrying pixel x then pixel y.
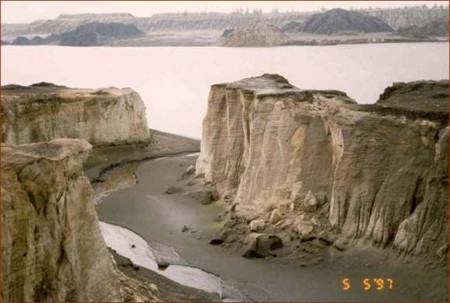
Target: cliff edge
{"type": "Point", "coordinates": [52, 248]}
{"type": "Point", "coordinates": [312, 162]}
{"type": "Point", "coordinates": [44, 111]}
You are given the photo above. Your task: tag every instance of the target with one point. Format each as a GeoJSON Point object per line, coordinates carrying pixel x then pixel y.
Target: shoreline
{"type": "Point", "coordinates": [288, 44]}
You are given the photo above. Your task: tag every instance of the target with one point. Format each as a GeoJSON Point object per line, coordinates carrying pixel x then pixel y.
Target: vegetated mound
{"type": "Point", "coordinates": [258, 34]}
{"type": "Point", "coordinates": [438, 28]}
{"type": "Point", "coordinates": [41, 87]}
{"type": "Point", "coordinates": [36, 40]}
{"type": "Point", "coordinates": [90, 34]}
{"type": "Point", "coordinates": [96, 33]}
{"type": "Point", "coordinates": [21, 41]}
{"type": "Point", "coordinates": [427, 96]}
{"type": "Point", "coordinates": [338, 21]}
{"type": "Point", "coordinates": [292, 26]}
{"type": "Point", "coordinates": [227, 32]}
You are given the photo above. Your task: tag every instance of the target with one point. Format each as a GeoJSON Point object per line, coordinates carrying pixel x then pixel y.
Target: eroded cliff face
{"type": "Point", "coordinates": [42, 112]}
{"type": "Point", "coordinates": [317, 161]}
{"type": "Point", "coordinates": [52, 248]}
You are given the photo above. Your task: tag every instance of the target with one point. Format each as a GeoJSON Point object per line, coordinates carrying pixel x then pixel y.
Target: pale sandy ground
{"type": "Point", "coordinates": [159, 217]}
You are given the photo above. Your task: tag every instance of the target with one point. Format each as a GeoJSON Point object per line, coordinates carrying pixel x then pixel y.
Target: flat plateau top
{"type": "Point", "coordinates": [17, 156]}
{"type": "Point", "coordinates": [418, 96]}
{"type": "Point", "coordinates": [51, 92]}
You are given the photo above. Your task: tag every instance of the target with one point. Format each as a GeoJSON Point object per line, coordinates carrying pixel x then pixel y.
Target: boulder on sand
{"type": "Point", "coordinates": [172, 190]}
{"type": "Point", "coordinates": [188, 172]}
{"type": "Point", "coordinates": [257, 225]}
{"type": "Point", "coordinates": [261, 245]}
{"type": "Point", "coordinates": [203, 196]}
{"type": "Point", "coordinates": [310, 203]}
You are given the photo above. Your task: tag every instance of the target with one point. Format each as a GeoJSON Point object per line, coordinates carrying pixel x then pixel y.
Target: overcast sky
{"type": "Point", "coordinates": [27, 11]}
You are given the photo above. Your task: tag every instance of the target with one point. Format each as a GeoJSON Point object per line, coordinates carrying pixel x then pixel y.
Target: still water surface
{"type": "Point", "coordinates": [174, 81]}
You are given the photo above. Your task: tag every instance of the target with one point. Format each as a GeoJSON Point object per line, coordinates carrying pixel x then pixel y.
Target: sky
{"type": "Point", "coordinates": [28, 11]}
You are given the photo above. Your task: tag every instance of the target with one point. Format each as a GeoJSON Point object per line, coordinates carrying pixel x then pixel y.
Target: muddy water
{"type": "Point", "coordinates": [159, 217]}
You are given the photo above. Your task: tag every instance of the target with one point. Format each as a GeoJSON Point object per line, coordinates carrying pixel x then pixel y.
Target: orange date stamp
{"type": "Point", "coordinates": [369, 284]}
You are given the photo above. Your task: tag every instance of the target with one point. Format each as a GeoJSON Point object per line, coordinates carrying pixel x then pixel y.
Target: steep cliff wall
{"type": "Point", "coordinates": [376, 172]}
{"type": "Point", "coordinates": [52, 248]}
{"type": "Point", "coordinates": [42, 112]}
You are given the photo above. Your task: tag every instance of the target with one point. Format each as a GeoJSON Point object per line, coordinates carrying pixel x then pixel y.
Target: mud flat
{"type": "Point", "coordinates": [185, 224]}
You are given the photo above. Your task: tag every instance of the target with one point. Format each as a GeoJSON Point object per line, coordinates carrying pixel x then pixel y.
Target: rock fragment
{"type": "Point", "coordinates": [261, 245]}
{"type": "Point", "coordinates": [257, 225]}
{"type": "Point", "coordinates": [275, 216]}
{"type": "Point", "coordinates": [310, 202]}
{"type": "Point", "coordinates": [341, 244]}
{"type": "Point", "coordinates": [173, 190]}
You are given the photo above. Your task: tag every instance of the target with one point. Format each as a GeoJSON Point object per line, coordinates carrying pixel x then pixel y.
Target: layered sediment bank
{"type": "Point", "coordinates": [44, 111]}
{"type": "Point", "coordinates": [52, 246]}
{"type": "Point", "coordinates": [315, 164]}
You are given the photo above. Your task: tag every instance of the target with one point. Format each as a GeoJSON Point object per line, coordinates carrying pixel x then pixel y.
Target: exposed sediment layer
{"type": "Point", "coordinates": [42, 112]}
{"type": "Point", "coordinates": [52, 248]}
{"type": "Point", "coordinates": [316, 160]}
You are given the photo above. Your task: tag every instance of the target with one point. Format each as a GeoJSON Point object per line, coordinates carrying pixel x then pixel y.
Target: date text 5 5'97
{"type": "Point", "coordinates": [368, 284]}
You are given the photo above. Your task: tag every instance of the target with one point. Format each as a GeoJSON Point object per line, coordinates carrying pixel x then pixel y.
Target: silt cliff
{"type": "Point", "coordinates": [43, 111]}
{"type": "Point", "coordinates": [52, 248]}
{"type": "Point", "coordinates": [316, 161]}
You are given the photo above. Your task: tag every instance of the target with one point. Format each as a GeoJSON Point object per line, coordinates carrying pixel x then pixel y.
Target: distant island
{"type": "Point", "coordinates": [248, 29]}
